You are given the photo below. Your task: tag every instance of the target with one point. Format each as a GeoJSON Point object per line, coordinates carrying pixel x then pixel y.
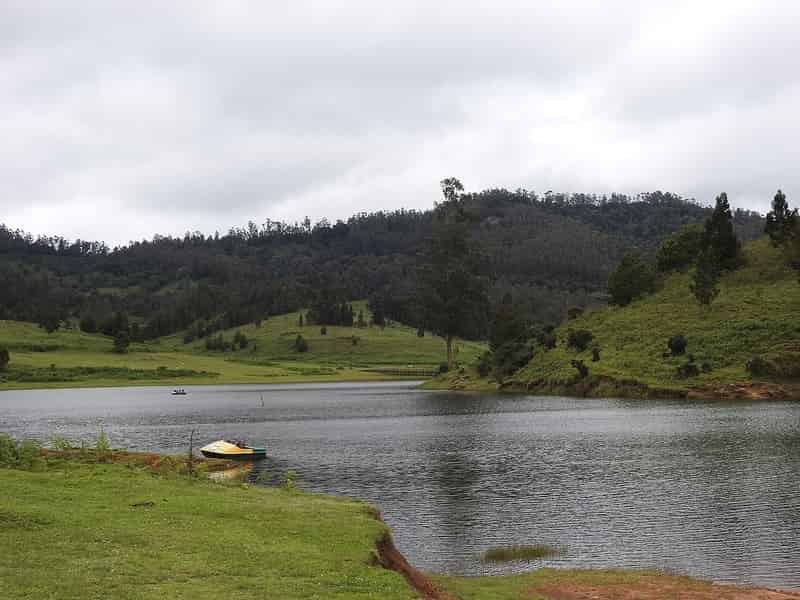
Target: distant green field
{"type": "Point", "coordinates": [71, 358]}
{"type": "Point", "coordinates": [756, 313]}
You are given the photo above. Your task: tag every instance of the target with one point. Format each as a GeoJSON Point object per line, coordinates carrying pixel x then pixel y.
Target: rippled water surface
{"type": "Point", "coordinates": [706, 489]}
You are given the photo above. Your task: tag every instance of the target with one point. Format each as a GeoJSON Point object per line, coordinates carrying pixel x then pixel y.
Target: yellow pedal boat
{"type": "Point", "coordinates": [228, 449]}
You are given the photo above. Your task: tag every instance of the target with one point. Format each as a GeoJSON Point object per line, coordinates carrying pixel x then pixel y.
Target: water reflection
{"type": "Point", "coordinates": [707, 489]}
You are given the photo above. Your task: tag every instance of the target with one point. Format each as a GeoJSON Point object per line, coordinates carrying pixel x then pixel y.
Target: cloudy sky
{"type": "Point", "coordinates": [119, 120]}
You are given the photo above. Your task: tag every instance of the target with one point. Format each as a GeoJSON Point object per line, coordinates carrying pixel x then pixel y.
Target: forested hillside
{"type": "Point", "coordinates": [551, 252]}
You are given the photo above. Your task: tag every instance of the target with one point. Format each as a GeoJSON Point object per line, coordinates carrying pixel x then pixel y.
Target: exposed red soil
{"type": "Point", "coordinates": [748, 391]}
{"type": "Point", "coordinates": [159, 463]}
{"type": "Point", "coordinates": [391, 558]}
{"type": "Point", "coordinates": [655, 587]}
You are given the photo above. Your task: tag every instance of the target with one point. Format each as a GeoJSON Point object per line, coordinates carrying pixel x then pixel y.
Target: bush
{"type": "Point", "coordinates": [595, 354]}
{"type": "Point", "coordinates": [300, 344]}
{"type": "Point", "coordinates": [583, 370]}
{"type": "Point", "coordinates": [420, 332]}
{"type": "Point", "coordinates": [547, 339]}
{"type": "Point", "coordinates": [323, 330]}
{"type": "Point", "coordinates": [5, 358]}
{"type": "Point", "coordinates": [509, 358]}
{"type": "Point", "coordinates": [355, 339]}
{"type": "Point", "coordinates": [444, 368]}
{"type": "Point", "coordinates": [579, 339]}
{"type": "Point", "coordinates": [677, 345]}
{"type": "Point", "coordinates": [688, 369]}
{"type": "Point", "coordinates": [23, 455]}
{"type": "Point", "coordinates": [574, 312]}
{"type": "Point", "coordinates": [484, 365]}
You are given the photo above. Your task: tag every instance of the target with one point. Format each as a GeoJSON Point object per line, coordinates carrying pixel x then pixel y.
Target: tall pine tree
{"type": "Point", "coordinates": [781, 221]}
{"type": "Point", "coordinates": [451, 289]}
{"type": "Point", "coordinates": [719, 237]}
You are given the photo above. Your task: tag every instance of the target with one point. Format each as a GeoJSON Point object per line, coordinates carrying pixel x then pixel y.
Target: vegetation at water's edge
{"type": "Point", "coordinates": [69, 357]}
{"type": "Point", "coordinates": [754, 315]}
{"type": "Point", "coordinates": [521, 552]}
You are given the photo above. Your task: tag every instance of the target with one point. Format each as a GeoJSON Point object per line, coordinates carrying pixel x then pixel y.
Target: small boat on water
{"type": "Point", "coordinates": [179, 392]}
{"type": "Point", "coordinates": [228, 449]}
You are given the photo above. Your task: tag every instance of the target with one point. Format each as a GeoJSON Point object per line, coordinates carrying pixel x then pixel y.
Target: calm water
{"type": "Point", "coordinates": [706, 489]}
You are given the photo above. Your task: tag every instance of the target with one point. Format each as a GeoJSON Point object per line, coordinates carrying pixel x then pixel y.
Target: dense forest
{"type": "Point", "coordinates": [549, 252]}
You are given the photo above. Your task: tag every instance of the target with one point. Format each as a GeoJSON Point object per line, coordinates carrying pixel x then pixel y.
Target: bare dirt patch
{"type": "Point", "coordinates": [653, 587]}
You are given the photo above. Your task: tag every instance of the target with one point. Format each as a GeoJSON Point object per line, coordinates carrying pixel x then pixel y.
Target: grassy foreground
{"type": "Point", "coordinates": [71, 531]}
{"type": "Point", "coordinates": [80, 524]}
{"type": "Point", "coordinates": [71, 358]}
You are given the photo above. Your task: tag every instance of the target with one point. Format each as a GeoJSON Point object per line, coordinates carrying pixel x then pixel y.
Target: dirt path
{"type": "Point", "coordinates": [654, 587]}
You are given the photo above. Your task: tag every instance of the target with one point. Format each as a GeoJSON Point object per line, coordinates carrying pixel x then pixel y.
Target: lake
{"type": "Point", "coordinates": [699, 488]}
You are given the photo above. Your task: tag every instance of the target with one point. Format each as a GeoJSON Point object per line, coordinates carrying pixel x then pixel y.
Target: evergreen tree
{"type": "Point", "coordinates": [705, 278]}
{"type": "Point", "coordinates": [631, 279]}
{"type": "Point", "coordinates": [451, 291]}
{"type": "Point", "coordinates": [781, 221]}
{"type": "Point", "coordinates": [719, 237]}
{"type": "Point", "coordinates": [121, 342]}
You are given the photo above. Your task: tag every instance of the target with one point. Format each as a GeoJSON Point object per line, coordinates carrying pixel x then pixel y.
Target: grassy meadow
{"type": "Point", "coordinates": [72, 531]}
{"type": "Point", "coordinates": [757, 312]}
{"type": "Point", "coordinates": [71, 358]}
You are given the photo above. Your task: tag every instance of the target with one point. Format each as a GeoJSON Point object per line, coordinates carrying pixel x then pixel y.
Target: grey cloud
{"type": "Point", "coordinates": [183, 115]}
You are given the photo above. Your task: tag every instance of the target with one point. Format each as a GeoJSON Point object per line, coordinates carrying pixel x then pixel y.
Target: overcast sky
{"type": "Point", "coordinates": [119, 120]}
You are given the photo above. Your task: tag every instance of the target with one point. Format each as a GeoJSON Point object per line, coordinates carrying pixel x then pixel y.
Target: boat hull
{"type": "Point", "coordinates": [225, 449]}
{"type": "Point", "coordinates": [238, 456]}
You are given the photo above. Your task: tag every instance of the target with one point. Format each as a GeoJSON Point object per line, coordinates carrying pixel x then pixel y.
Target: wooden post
{"type": "Point", "coordinates": [191, 451]}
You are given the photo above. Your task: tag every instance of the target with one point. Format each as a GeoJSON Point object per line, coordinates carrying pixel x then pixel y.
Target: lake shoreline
{"type": "Point", "coordinates": [85, 468]}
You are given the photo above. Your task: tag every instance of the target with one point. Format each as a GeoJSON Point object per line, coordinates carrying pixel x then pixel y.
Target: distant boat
{"type": "Point", "coordinates": [228, 449]}
{"type": "Point", "coordinates": [179, 392]}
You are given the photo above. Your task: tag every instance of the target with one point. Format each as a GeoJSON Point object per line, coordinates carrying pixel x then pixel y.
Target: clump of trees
{"type": "Point", "coordinates": [720, 250]}
{"type": "Point", "coordinates": [509, 349]}
{"type": "Point", "coordinates": [632, 279]}
{"type": "Point", "coordinates": [451, 287]}
{"type": "Point", "coordinates": [783, 228]}
{"type": "Point", "coordinates": [680, 250]}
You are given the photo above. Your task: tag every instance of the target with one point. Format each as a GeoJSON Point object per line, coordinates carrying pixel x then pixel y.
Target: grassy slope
{"type": "Point", "coordinates": [71, 532]}
{"type": "Point", "coordinates": [756, 312]}
{"type": "Point", "coordinates": [269, 358]}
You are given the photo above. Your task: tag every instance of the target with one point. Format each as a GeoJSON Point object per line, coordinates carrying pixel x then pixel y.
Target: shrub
{"type": "Point", "coordinates": [420, 332]}
{"type": "Point", "coordinates": [5, 358]}
{"type": "Point", "coordinates": [61, 443]}
{"type": "Point", "coordinates": [289, 480]}
{"type": "Point", "coordinates": [509, 358]}
{"type": "Point", "coordinates": [444, 367]}
{"type": "Point", "coordinates": [355, 340]}
{"type": "Point", "coordinates": [676, 345]}
{"type": "Point", "coordinates": [574, 312]}
{"type": "Point", "coordinates": [323, 330]}
{"type": "Point", "coordinates": [25, 454]}
{"type": "Point", "coordinates": [547, 339]}
{"type": "Point", "coordinates": [579, 339]}
{"type": "Point", "coordinates": [300, 344]}
{"type": "Point", "coordinates": [102, 444]}
{"type": "Point", "coordinates": [583, 370]}
{"type": "Point", "coordinates": [595, 354]}
{"type": "Point", "coordinates": [484, 364]}
{"type": "Point", "coordinates": [688, 369]}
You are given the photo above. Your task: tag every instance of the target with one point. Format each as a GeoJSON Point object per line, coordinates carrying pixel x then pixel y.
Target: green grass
{"type": "Point", "coordinates": [756, 312]}
{"type": "Point", "coordinates": [71, 532]}
{"type": "Point", "coordinates": [508, 553]}
{"type": "Point", "coordinates": [71, 358]}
